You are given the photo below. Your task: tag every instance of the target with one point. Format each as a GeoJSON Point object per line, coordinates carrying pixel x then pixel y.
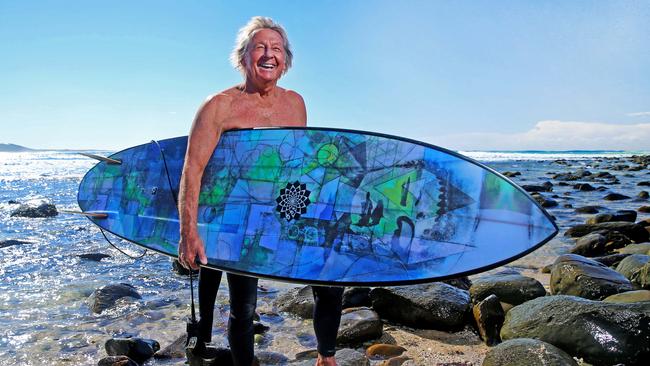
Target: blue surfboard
{"type": "Point", "coordinates": [322, 206]}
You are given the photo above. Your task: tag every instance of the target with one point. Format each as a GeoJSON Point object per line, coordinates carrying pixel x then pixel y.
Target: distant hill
{"type": "Point", "coordinates": [13, 148]}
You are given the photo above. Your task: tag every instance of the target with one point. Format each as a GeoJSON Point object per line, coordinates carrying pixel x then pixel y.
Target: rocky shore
{"type": "Point", "coordinates": [583, 299]}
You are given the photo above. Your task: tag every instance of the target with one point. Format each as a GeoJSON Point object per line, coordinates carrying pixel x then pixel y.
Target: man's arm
{"type": "Point", "coordinates": [202, 140]}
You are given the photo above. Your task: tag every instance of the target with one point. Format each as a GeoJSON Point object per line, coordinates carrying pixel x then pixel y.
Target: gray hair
{"type": "Point", "coordinates": [246, 34]}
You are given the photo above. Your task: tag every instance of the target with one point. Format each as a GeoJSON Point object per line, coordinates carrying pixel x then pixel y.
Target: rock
{"type": "Point", "coordinates": [175, 350]}
{"type": "Point", "coordinates": [529, 352]}
{"type": "Point", "coordinates": [117, 361]}
{"type": "Point", "coordinates": [543, 201]}
{"type": "Point", "coordinates": [381, 351]}
{"type": "Point", "coordinates": [643, 184]}
{"type": "Point", "coordinates": [588, 209]}
{"type": "Point", "coordinates": [630, 296]}
{"type": "Point", "coordinates": [589, 245]}
{"type": "Point", "coordinates": [579, 276]}
{"type": "Point", "coordinates": [511, 288]}
{"type": "Point", "coordinates": [297, 301]}
{"type": "Point", "coordinates": [631, 230]}
{"type": "Point", "coordinates": [137, 349]}
{"type": "Point", "coordinates": [599, 332]}
{"type": "Point", "coordinates": [644, 209]}
{"type": "Point", "coordinates": [350, 357]}
{"type": "Point", "coordinates": [489, 316]}
{"type": "Point", "coordinates": [95, 257]}
{"type": "Point", "coordinates": [13, 202]}
{"type": "Point", "coordinates": [11, 242]}
{"type": "Point", "coordinates": [306, 355]}
{"type": "Point", "coordinates": [428, 306]}
{"type": "Point", "coordinates": [642, 277]}
{"type": "Point", "coordinates": [644, 195]}
{"type": "Point", "coordinates": [632, 264]}
{"type": "Point", "coordinates": [42, 210]}
{"type": "Point", "coordinates": [545, 187]}
{"type": "Point", "coordinates": [584, 187]}
{"type": "Point", "coordinates": [642, 248]}
{"type": "Point", "coordinates": [271, 358]}
{"type": "Point", "coordinates": [260, 328]}
{"type": "Point", "coordinates": [180, 270]}
{"type": "Point", "coordinates": [610, 260]}
{"type": "Point", "coordinates": [606, 175]}
{"type": "Point", "coordinates": [462, 283]}
{"type": "Point", "coordinates": [395, 361]}
{"type": "Point", "coordinates": [623, 215]}
{"type": "Point", "coordinates": [106, 296]}
{"type": "Point", "coordinates": [354, 297]}
{"type": "Point", "coordinates": [511, 174]}
{"type": "Point", "coordinates": [615, 197]}
{"type": "Point", "coordinates": [359, 325]}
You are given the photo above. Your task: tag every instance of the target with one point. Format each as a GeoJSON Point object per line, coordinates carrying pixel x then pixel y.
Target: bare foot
{"type": "Point", "coordinates": [325, 361]}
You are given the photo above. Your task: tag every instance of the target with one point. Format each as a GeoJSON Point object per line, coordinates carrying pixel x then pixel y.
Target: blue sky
{"type": "Point", "coordinates": [465, 75]}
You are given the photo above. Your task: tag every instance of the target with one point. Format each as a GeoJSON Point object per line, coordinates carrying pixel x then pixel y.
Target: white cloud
{"type": "Point", "coordinates": [556, 135]}
{"type": "Point", "coordinates": [638, 114]}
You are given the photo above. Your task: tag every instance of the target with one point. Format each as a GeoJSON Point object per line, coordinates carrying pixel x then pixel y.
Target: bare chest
{"type": "Point", "coordinates": [246, 114]}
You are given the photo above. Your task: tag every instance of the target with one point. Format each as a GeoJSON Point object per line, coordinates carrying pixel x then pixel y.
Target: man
{"type": "Point", "coordinates": [263, 55]}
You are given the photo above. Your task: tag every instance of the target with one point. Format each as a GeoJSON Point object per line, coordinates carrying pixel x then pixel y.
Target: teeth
{"type": "Point", "coordinates": [267, 66]}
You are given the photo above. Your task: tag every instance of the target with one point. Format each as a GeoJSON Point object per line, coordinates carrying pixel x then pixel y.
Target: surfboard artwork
{"type": "Point", "coordinates": [322, 206]}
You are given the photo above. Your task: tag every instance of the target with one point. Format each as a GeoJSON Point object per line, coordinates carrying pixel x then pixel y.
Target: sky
{"type": "Point", "coordinates": [465, 75]}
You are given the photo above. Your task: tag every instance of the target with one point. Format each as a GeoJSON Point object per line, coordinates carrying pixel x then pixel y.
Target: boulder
{"type": "Point", "coordinates": [610, 260]}
{"type": "Point", "coordinates": [579, 276]}
{"type": "Point", "coordinates": [137, 349]}
{"type": "Point", "coordinates": [462, 283]}
{"type": "Point", "coordinates": [429, 306]}
{"type": "Point", "coordinates": [623, 215]}
{"type": "Point", "coordinates": [383, 351]}
{"type": "Point", "coordinates": [354, 297]}
{"type": "Point", "coordinates": [630, 296]}
{"type": "Point", "coordinates": [633, 231]}
{"type": "Point", "coordinates": [615, 197]}
{"type": "Point", "coordinates": [590, 245]}
{"type": "Point", "coordinates": [105, 297]}
{"type": "Point", "coordinates": [644, 209]}
{"type": "Point", "coordinates": [644, 184]}
{"type": "Point", "coordinates": [116, 361]}
{"type": "Point", "coordinates": [12, 242]}
{"type": "Point", "coordinates": [588, 209]}
{"type": "Point", "coordinates": [529, 352]}
{"type": "Point", "coordinates": [511, 174]}
{"type": "Point", "coordinates": [270, 358]}
{"type": "Point", "coordinates": [641, 248]}
{"type": "Point", "coordinates": [297, 301]}
{"type": "Point", "coordinates": [94, 257]}
{"type": "Point", "coordinates": [599, 332]}
{"type": "Point", "coordinates": [175, 350]}
{"type": "Point", "coordinates": [544, 201]}
{"type": "Point", "coordinates": [350, 357]}
{"type": "Point", "coordinates": [396, 361]}
{"type": "Point", "coordinates": [584, 187]}
{"type": "Point", "coordinates": [545, 187]}
{"type": "Point", "coordinates": [644, 195]}
{"type": "Point", "coordinates": [42, 210]}
{"type": "Point", "coordinates": [489, 316]}
{"type": "Point", "coordinates": [511, 288]}
{"type": "Point", "coordinates": [359, 325]}
{"type": "Point", "coordinates": [631, 265]}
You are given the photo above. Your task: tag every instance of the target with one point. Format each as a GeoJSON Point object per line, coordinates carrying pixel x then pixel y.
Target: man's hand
{"type": "Point", "coordinates": [189, 248]}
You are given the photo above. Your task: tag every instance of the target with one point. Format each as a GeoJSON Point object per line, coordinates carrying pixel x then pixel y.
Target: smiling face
{"type": "Point", "coordinates": [265, 57]}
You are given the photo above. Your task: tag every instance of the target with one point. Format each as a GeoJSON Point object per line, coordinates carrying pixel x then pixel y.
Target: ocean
{"type": "Point", "coordinates": [44, 312]}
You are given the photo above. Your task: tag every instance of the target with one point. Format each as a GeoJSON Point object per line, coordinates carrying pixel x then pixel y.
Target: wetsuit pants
{"type": "Point", "coordinates": [243, 300]}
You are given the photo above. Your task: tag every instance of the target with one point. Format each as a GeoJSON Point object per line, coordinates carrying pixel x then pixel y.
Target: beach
{"type": "Point", "coordinates": [47, 289]}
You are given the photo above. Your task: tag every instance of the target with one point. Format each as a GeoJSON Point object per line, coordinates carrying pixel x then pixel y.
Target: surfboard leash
{"type": "Point", "coordinates": [192, 325]}
{"type": "Point", "coordinates": [120, 250]}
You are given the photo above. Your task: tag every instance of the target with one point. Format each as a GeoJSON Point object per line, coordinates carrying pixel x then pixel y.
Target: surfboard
{"type": "Point", "coordinates": [322, 206]}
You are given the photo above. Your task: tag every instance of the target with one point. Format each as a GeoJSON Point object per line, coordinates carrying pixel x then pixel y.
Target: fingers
{"type": "Point", "coordinates": [202, 257]}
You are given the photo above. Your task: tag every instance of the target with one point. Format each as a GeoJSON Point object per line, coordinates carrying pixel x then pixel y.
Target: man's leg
{"type": "Point", "coordinates": [209, 280]}
{"type": "Point", "coordinates": [243, 300]}
{"type": "Point", "coordinates": [327, 317]}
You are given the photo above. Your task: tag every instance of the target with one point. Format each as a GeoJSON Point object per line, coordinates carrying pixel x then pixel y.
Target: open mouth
{"type": "Point", "coordinates": [267, 66]}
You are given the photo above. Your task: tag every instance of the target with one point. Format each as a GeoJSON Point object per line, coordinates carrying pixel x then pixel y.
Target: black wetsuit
{"type": "Point", "coordinates": [243, 300]}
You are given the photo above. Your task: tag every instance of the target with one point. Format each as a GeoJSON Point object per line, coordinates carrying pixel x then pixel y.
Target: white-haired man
{"type": "Point", "coordinates": [263, 54]}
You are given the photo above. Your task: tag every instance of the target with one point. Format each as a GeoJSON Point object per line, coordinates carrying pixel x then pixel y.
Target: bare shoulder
{"type": "Point", "coordinates": [293, 97]}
